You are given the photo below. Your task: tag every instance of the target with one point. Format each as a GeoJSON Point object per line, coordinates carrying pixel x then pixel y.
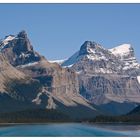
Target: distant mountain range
{"type": "Point", "coordinates": [94, 81]}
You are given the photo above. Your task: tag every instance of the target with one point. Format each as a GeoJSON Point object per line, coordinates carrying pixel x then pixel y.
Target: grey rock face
{"type": "Point", "coordinates": [102, 89]}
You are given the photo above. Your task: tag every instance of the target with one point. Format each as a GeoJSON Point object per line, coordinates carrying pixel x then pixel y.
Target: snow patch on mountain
{"type": "Point", "coordinates": [122, 50]}
{"type": "Point", "coordinates": [131, 64]}
{"type": "Point", "coordinates": [23, 55]}
{"type": "Point", "coordinates": [138, 78]}
{"type": "Point", "coordinates": [58, 61]}
{"type": "Point", "coordinates": [96, 57]}
{"type": "Point", "coordinates": [5, 41]}
{"type": "Point", "coordinates": [28, 65]}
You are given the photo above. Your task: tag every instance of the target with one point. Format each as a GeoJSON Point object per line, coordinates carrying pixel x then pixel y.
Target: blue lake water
{"type": "Point", "coordinates": [70, 129]}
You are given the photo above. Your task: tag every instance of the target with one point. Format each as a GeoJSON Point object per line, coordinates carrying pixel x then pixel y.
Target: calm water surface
{"type": "Point", "coordinates": [70, 129]}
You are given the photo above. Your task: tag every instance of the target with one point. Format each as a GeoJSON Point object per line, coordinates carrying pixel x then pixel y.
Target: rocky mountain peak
{"type": "Point", "coordinates": [24, 44]}
{"type": "Point", "coordinates": [22, 34]}
{"type": "Point", "coordinates": [18, 49]}
{"type": "Point", "coordinates": [89, 47]}
{"type": "Point", "coordinates": [90, 52]}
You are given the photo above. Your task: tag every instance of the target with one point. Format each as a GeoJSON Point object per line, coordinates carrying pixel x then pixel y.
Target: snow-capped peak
{"type": "Point", "coordinates": [125, 52]}
{"type": "Point", "coordinates": [122, 50]}
{"type": "Point", "coordinates": [9, 38]}
{"type": "Point", "coordinates": [20, 48]}
{"type": "Point", "coordinates": [5, 41]}
{"type": "Point", "coordinates": [89, 51]}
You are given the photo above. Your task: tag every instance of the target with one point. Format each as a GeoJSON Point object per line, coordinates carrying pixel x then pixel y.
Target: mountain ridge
{"type": "Point", "coordinates": [93, 80]}
{"type": "Point", "coordinates": [106, 75]}
{"type": "Point", "coordinates": [48, 86]}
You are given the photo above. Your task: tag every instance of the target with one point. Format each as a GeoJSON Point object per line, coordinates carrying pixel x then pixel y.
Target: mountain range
{"type": "Point", "coordinates": [108, 78]}
{"type": "Point", "coordinates": [93, 81]}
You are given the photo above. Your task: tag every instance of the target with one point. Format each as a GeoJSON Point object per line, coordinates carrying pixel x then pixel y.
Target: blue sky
{"type": "Point", "coordinates": [58, 30]}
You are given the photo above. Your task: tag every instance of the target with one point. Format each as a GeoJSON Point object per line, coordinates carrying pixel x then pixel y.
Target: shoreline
{"type": "Point", "coordinates": [91, 123]}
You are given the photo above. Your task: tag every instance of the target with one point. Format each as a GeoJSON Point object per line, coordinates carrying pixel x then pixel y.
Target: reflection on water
{"type": "Point", "coordinates": [70, 129]}
{"type": "Point", "coordinates": [119, 127]}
